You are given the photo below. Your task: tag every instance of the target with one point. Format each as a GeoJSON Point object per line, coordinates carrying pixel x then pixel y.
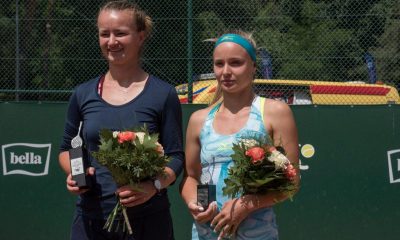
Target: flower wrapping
{"type": "Point", "coordinates": [132, 156]}
{"type": "Point", "coordinates": [259, 168]}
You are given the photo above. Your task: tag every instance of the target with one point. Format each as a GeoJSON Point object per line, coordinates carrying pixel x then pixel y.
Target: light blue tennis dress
{"type": "Point", "coordinates": [216, 151]}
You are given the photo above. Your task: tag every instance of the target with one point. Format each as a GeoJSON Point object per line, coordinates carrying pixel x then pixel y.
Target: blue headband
{"type": "Point", "coordinates": [235, 38]}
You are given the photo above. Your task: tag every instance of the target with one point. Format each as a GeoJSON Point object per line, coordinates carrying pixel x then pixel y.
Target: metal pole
{"type": "Point", "coordinates": [17, 50]}
{"type": "Point", "coordinates": [190, 50]}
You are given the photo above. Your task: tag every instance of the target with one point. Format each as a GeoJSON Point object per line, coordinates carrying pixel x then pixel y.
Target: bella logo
{"type": "Point", "coordinates": [26, 159]}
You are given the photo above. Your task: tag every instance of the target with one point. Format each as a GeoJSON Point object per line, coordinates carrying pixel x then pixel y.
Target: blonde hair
{"type": "Point", "coordinates": [143, 21]}
{"type": "Point", "coordinates": [249, 37]}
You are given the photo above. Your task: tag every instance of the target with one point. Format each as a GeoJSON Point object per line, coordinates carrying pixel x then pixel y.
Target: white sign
{"type": "Point", "coordinates": [394, 165]}
{"type": "Point", "coordinates": [306, 151]}
{"type": "Point", "coordinates": [26, 159]}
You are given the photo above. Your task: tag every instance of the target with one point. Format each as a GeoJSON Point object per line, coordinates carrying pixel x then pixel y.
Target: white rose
{"type": "Point", "coordinates": [115, 134]}
{"type": "Point", "coordinates": [140, 136]}
{"type": "Point", "coordinates": [249, 143]}
{"type": "Point", "coordinates": [278, 159]}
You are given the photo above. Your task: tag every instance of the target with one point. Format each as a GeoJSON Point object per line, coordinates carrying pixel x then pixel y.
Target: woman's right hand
{"type": "Point", "coordinates": [200, 215]}
{"type": "Point", "coordinates": [71, 184]}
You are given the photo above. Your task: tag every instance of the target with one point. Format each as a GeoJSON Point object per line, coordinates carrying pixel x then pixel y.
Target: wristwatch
{"type": "Point", "coordinates": [157, 185]}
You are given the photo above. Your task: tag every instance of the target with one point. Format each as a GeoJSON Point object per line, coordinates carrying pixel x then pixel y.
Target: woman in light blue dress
{"type": "Point", "coordinates": [236, 112]}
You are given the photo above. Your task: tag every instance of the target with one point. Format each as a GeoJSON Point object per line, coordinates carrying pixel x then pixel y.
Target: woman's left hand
{"type": "Point", "coordinates": [228, 219]}
{"type": "Point", "coordinates": [130, 197]}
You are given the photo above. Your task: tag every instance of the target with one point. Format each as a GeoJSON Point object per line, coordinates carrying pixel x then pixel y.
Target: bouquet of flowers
{"type": "Point", "coordinates": [259, 168]}
{"type": "Point", "coordinates": [131, 156]}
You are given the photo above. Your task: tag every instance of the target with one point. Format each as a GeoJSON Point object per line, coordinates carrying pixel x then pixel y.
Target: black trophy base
{"type": "Point", "coordinates": [79, 166]}
{"type": "Point", "coordinates": [206, 194]}
{"type": "Point", "coordinates": [82, 181]}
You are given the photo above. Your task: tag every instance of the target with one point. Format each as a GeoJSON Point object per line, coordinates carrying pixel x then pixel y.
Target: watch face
{"type": "Point", "coordinates": [157, 184]}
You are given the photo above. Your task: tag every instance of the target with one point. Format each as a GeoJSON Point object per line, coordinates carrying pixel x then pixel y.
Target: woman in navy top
{"type": "Point", "coordinates": [125, 96]}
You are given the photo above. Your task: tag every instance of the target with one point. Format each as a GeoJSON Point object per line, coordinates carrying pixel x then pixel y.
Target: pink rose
{"type": "Point", "coordinates": [126, 136]}
{"type": "Point", "coordinates": [290, 172]}
{"type": "Point", "coordinates": [256, 153]}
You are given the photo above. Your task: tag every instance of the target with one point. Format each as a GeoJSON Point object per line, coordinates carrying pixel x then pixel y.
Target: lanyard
{"type": "Point", "coordinates": [100, 86]}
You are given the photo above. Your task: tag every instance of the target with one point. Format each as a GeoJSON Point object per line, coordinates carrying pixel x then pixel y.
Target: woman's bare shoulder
{"type": "Point", "coordinates": [199, 116]}
{"type": "Point", "coordinates": [276, 107]}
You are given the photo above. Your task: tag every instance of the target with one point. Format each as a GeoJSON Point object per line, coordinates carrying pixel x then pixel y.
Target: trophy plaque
{"type": "Point", "coordinates": [206, 194]}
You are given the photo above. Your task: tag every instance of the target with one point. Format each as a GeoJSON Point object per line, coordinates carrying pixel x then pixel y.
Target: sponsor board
{"type": "Point", "coordinates": [307, 151]}
{"type": "Point", "coordinates": [26, 159]}
{"type": "Point", "coordinates": [394, 165]}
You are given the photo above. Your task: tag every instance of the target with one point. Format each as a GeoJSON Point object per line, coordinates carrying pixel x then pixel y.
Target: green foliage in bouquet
{"type": "Point", "coordinates": [259, 168]}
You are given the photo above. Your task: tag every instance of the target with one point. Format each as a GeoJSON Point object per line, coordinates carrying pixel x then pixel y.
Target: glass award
{"type": "Point", "coordinates": [206, 191]}
{"type": "Point", "coordinates": [206, 194]}
{"type": "Point", "coordinates": [78, 162]}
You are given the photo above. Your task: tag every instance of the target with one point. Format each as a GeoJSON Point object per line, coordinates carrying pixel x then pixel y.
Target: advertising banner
{"type": "Point", "coordinates": [350, 175]}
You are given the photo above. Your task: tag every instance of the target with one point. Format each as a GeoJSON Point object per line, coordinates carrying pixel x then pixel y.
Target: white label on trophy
{"type": "Point", "coordinates": [77, 166]}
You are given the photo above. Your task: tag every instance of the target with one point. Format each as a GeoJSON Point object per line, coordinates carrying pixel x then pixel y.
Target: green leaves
{"type": "Point", "coordinates": [259, 182]}
{"type": "Point", "coordinates": [106, 145]}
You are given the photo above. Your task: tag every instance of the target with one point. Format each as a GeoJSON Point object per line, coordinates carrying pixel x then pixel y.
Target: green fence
{"type": "Point", "coordinates": [49, 46]}
{"type": "Point", "coordinates": [350, 165]}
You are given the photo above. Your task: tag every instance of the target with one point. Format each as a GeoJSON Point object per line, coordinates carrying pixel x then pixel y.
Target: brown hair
{"type": "Point", "coordinates": [249, 37]}
{"type": "Point", "coordinates": [142, 20]}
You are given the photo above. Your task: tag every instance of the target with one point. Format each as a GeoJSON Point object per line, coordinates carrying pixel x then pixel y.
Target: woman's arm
{"type": "Point", "coordinates": [284, 132]}
{"type": "Point", "coordinates": [73, 118]}
{"type": "Point", "coordinates": [282, 127]}
{"type": "Point", "coordinates": [192, 171]}
{"type": "Point", "coordinates": [172, 138]}
{"type": "Point", "coordinates": [63, 160]}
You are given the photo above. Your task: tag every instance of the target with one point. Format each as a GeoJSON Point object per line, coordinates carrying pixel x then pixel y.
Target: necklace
{"type": "Point", "coordinates": [122, 87]}
{"type": "Point", "coordinates": [125, 90]}
{"type": "Point", "coordinates": [253, 99]}
{"type": "Point", "coordinates": [126, 93]}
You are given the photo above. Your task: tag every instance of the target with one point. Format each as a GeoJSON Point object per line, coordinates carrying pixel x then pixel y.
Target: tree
{"type": "Point", "coordinates": [387, 53]}
{"type": "Point", "coordinates": [7, 49]}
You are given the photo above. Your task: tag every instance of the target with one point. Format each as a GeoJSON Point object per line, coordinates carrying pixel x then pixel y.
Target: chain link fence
{"type": "Point", "coordinates": [50, 46]}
